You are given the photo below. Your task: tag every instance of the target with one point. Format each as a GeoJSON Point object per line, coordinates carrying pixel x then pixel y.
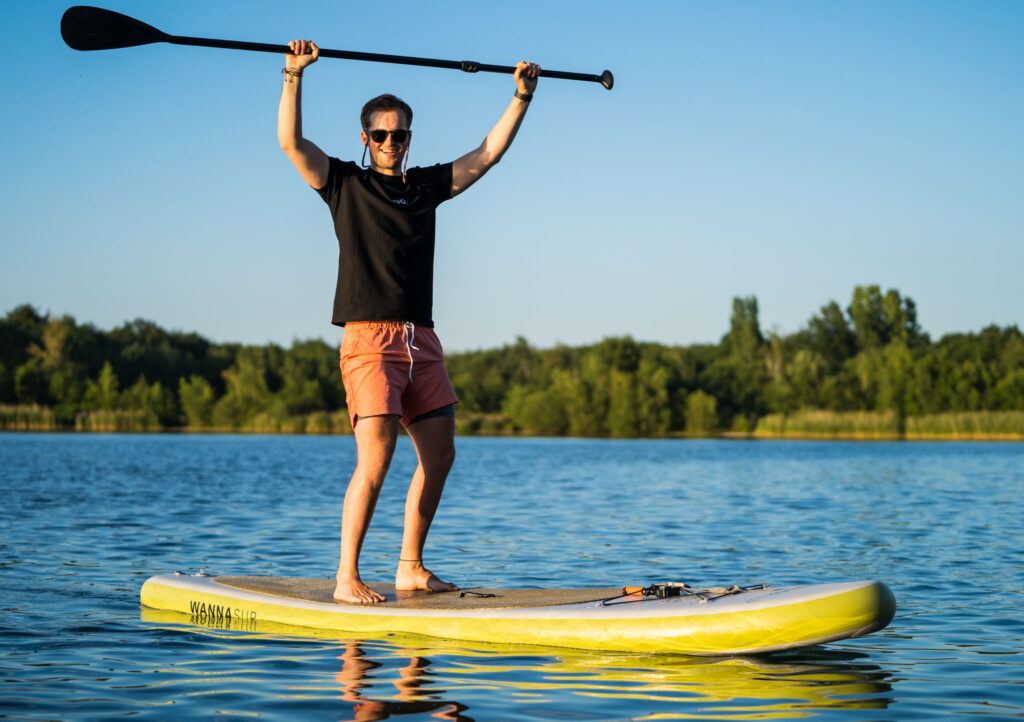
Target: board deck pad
{"type": "Point", "coordinates": [322, 590]}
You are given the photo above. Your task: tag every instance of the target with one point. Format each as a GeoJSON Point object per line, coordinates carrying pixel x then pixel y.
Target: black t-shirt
{"type": "Point", "coordinates": [385, 232]}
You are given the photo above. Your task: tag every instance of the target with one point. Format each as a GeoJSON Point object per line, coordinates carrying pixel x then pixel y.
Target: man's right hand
{"type": "Point", "coordinates": [303, 53]}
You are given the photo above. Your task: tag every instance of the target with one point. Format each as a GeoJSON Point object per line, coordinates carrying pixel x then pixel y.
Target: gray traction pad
{"type": "Point", "coordinates": [321, 590]}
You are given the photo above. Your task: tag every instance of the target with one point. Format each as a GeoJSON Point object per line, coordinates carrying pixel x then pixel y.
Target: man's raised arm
{"type": "Point", "coordinates": [311, 162]}
{"type": "Point", "coordinates": [471, 167]}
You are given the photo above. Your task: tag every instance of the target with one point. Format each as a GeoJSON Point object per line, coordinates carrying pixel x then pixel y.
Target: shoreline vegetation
{"type": "Point", "coordinates": [866, 371]}
{"type": "Point", "coordinates": [806, 425]}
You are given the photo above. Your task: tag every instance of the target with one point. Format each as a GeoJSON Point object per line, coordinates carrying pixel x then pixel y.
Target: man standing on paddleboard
{"type": "Point", "coordinates": [392, 364]}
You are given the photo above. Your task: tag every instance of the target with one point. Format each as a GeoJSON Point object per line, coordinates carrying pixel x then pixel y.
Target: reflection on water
{"type": "Point", "coordinates": [413, 687]}
{"type": "Point", "coordinates": [405, 674]}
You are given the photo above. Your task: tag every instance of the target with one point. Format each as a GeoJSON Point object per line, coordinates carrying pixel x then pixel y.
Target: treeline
{"type": "Point", "coordinates": [55, 373]}
{"type": "Point", "coordinates": [864, 370]}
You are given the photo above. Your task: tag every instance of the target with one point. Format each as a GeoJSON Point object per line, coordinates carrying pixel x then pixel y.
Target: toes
{"type": "Point", "coordinates": [358, 595]}
{"type": "Point", "coordinates": [426, 581]}
{"type": "Point", "coordinates": [436, 584]}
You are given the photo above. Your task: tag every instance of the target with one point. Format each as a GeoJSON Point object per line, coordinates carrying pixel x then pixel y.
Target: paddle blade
{"type": "Point", "coordinates": [89, 28]}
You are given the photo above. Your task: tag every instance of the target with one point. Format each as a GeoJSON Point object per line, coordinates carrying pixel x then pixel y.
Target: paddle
{"type": "Point", "coordinates": [89, 28]}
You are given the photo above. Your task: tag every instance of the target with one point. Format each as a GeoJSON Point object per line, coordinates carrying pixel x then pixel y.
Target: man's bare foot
{"type": "Point", "coordinates": [353, 591]}
{"type": "Point", "coordinates": [412, 576]}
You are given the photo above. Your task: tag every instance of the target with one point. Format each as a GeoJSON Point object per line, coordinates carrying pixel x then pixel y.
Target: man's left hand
{"type": "Point", "coordinates": [526, 77]}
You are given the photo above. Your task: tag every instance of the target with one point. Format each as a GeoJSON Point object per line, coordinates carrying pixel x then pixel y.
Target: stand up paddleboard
{"type": "Point", "coordinates": [670, 618]}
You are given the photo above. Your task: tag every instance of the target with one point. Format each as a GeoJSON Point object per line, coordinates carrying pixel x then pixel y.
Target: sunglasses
{"type": "Point", "coordinates": [378, 136]}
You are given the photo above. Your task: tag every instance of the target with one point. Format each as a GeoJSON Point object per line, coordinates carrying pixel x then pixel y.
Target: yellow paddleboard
{"type": "Point", "coordinates": [661, 618]}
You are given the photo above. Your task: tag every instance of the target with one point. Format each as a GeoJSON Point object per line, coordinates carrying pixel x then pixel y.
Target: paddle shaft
{"type": "Point", "coordinates": [468, 66]}
{"type": "Point", "coordinates": [90, 28]}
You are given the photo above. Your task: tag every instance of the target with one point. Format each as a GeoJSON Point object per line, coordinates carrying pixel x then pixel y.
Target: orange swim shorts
{"type": "Point", "coordinates": [390, 367]}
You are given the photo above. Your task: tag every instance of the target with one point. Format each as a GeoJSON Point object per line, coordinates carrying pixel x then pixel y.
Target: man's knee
{"type": "Point", "coordinates": [376, 437]}
{"type": "Point", "coordinates": [446, 456]}
{"type": "Point", "coordinates": [439, 459]}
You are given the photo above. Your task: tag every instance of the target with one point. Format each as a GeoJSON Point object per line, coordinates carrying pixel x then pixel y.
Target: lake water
{"type": "Point", "coordinates": [86, 518]}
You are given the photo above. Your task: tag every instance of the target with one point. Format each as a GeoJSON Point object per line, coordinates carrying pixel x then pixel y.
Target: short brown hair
{"type": "Point", "coordinates": [384, 103]}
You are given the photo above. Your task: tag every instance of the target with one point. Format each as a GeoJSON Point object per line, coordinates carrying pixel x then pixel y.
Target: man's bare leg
{"type": "Point", "coordinates": [434, 439]}
{"type": "Point", "coordinates": [375, 445]}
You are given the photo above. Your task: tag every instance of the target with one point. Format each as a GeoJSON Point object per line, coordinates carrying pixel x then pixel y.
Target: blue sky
{"type": "Point", "coordinates": [788, 150]}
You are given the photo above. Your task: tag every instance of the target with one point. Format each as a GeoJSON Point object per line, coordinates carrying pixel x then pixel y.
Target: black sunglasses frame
{"type": "Point", "coordinates": [401, 135]}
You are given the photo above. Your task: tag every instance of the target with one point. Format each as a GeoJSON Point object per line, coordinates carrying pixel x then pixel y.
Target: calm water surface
{"type": "Point", "coordinates": [86, 518]}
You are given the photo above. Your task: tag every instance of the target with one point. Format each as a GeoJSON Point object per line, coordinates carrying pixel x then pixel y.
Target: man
{"type": "Point", "coordinates": [391, 360]}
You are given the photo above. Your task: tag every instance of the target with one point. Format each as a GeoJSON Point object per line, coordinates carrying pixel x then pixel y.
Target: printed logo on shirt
{"type": "Point", "coordinates": [400, 202]}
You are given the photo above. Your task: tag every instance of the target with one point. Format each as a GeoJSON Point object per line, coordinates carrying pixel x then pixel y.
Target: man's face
{"type": "Point", "coordinates": [387, 155]}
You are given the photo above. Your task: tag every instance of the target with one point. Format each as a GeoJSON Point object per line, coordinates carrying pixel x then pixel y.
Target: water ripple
{"type": "Point", "coordinates": [88, 517]}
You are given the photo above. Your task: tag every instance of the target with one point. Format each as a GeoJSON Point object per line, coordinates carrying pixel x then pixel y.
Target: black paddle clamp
{"type": "Point", "coordinates": [663, 591]}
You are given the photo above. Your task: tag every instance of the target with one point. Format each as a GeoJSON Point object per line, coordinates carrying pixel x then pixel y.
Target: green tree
{"type": "Point", "coordinates": [868, 368]}
{"type": "Point", "coordinates": [152, 399]}
{"type": "Point", "coordinates": [744, 339]}
{"type": "Point", "coordinates": [31, 384]}
{"type": "Point", "coordinates": [623, 415]}
{"type": "Point", "coordinates": [967, 382]}
{"type": "Point", "coordinates": [829, 336]}
{"type": "Point", "coordinates": [197, 398]}
{"type": "Point", "coordinates": [738, 378]}
{"type": "Point", "coordinates": [595, 393]}
{"type": "Point", "coordinates": [895, 390]}
{"type": "Point", "coordinates": [1008, 394]}
{"type": "Point", "coordinates": [620, 353]}
{"type": "Point", "coordinates": [779, 394]}
{"type": "Point", "coordinates": [807, 373]}
{"type": "Point", "coordinates": [925, 392]}
{"type": "Point", "coordinates": [300, 392]}
{"type": "Point", "coordinates": [19, 328]}
{"type": "Point", "coordinates": [104, 392]}
{"type": "Point", "coordinates": [6, 384]}
{"type": "Point", "coordinates": [701, 413]}
{"type": "Point", "coordinates": [878, 320]}
{"type": "Point", "coordinates": [575, 396]}
{"type": "Point", "coordinates": [53, 351]}
{"type": "Point", "coordinates": [54, 357]}
{"type": "Point", "coordinates": [1010, 350]}
{"type": "Point", "coordinates": [537, 412]}
{"type": "Point", "coordinates": [655, 382]}
{"type": "Point", "coordinates": [248, 390]}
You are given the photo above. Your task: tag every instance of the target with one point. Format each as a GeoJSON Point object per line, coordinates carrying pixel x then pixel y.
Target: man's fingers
{"type": "Point", "coordinates": [525, 69]}
{"type": "Point", "coordinates": [303, 47]}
